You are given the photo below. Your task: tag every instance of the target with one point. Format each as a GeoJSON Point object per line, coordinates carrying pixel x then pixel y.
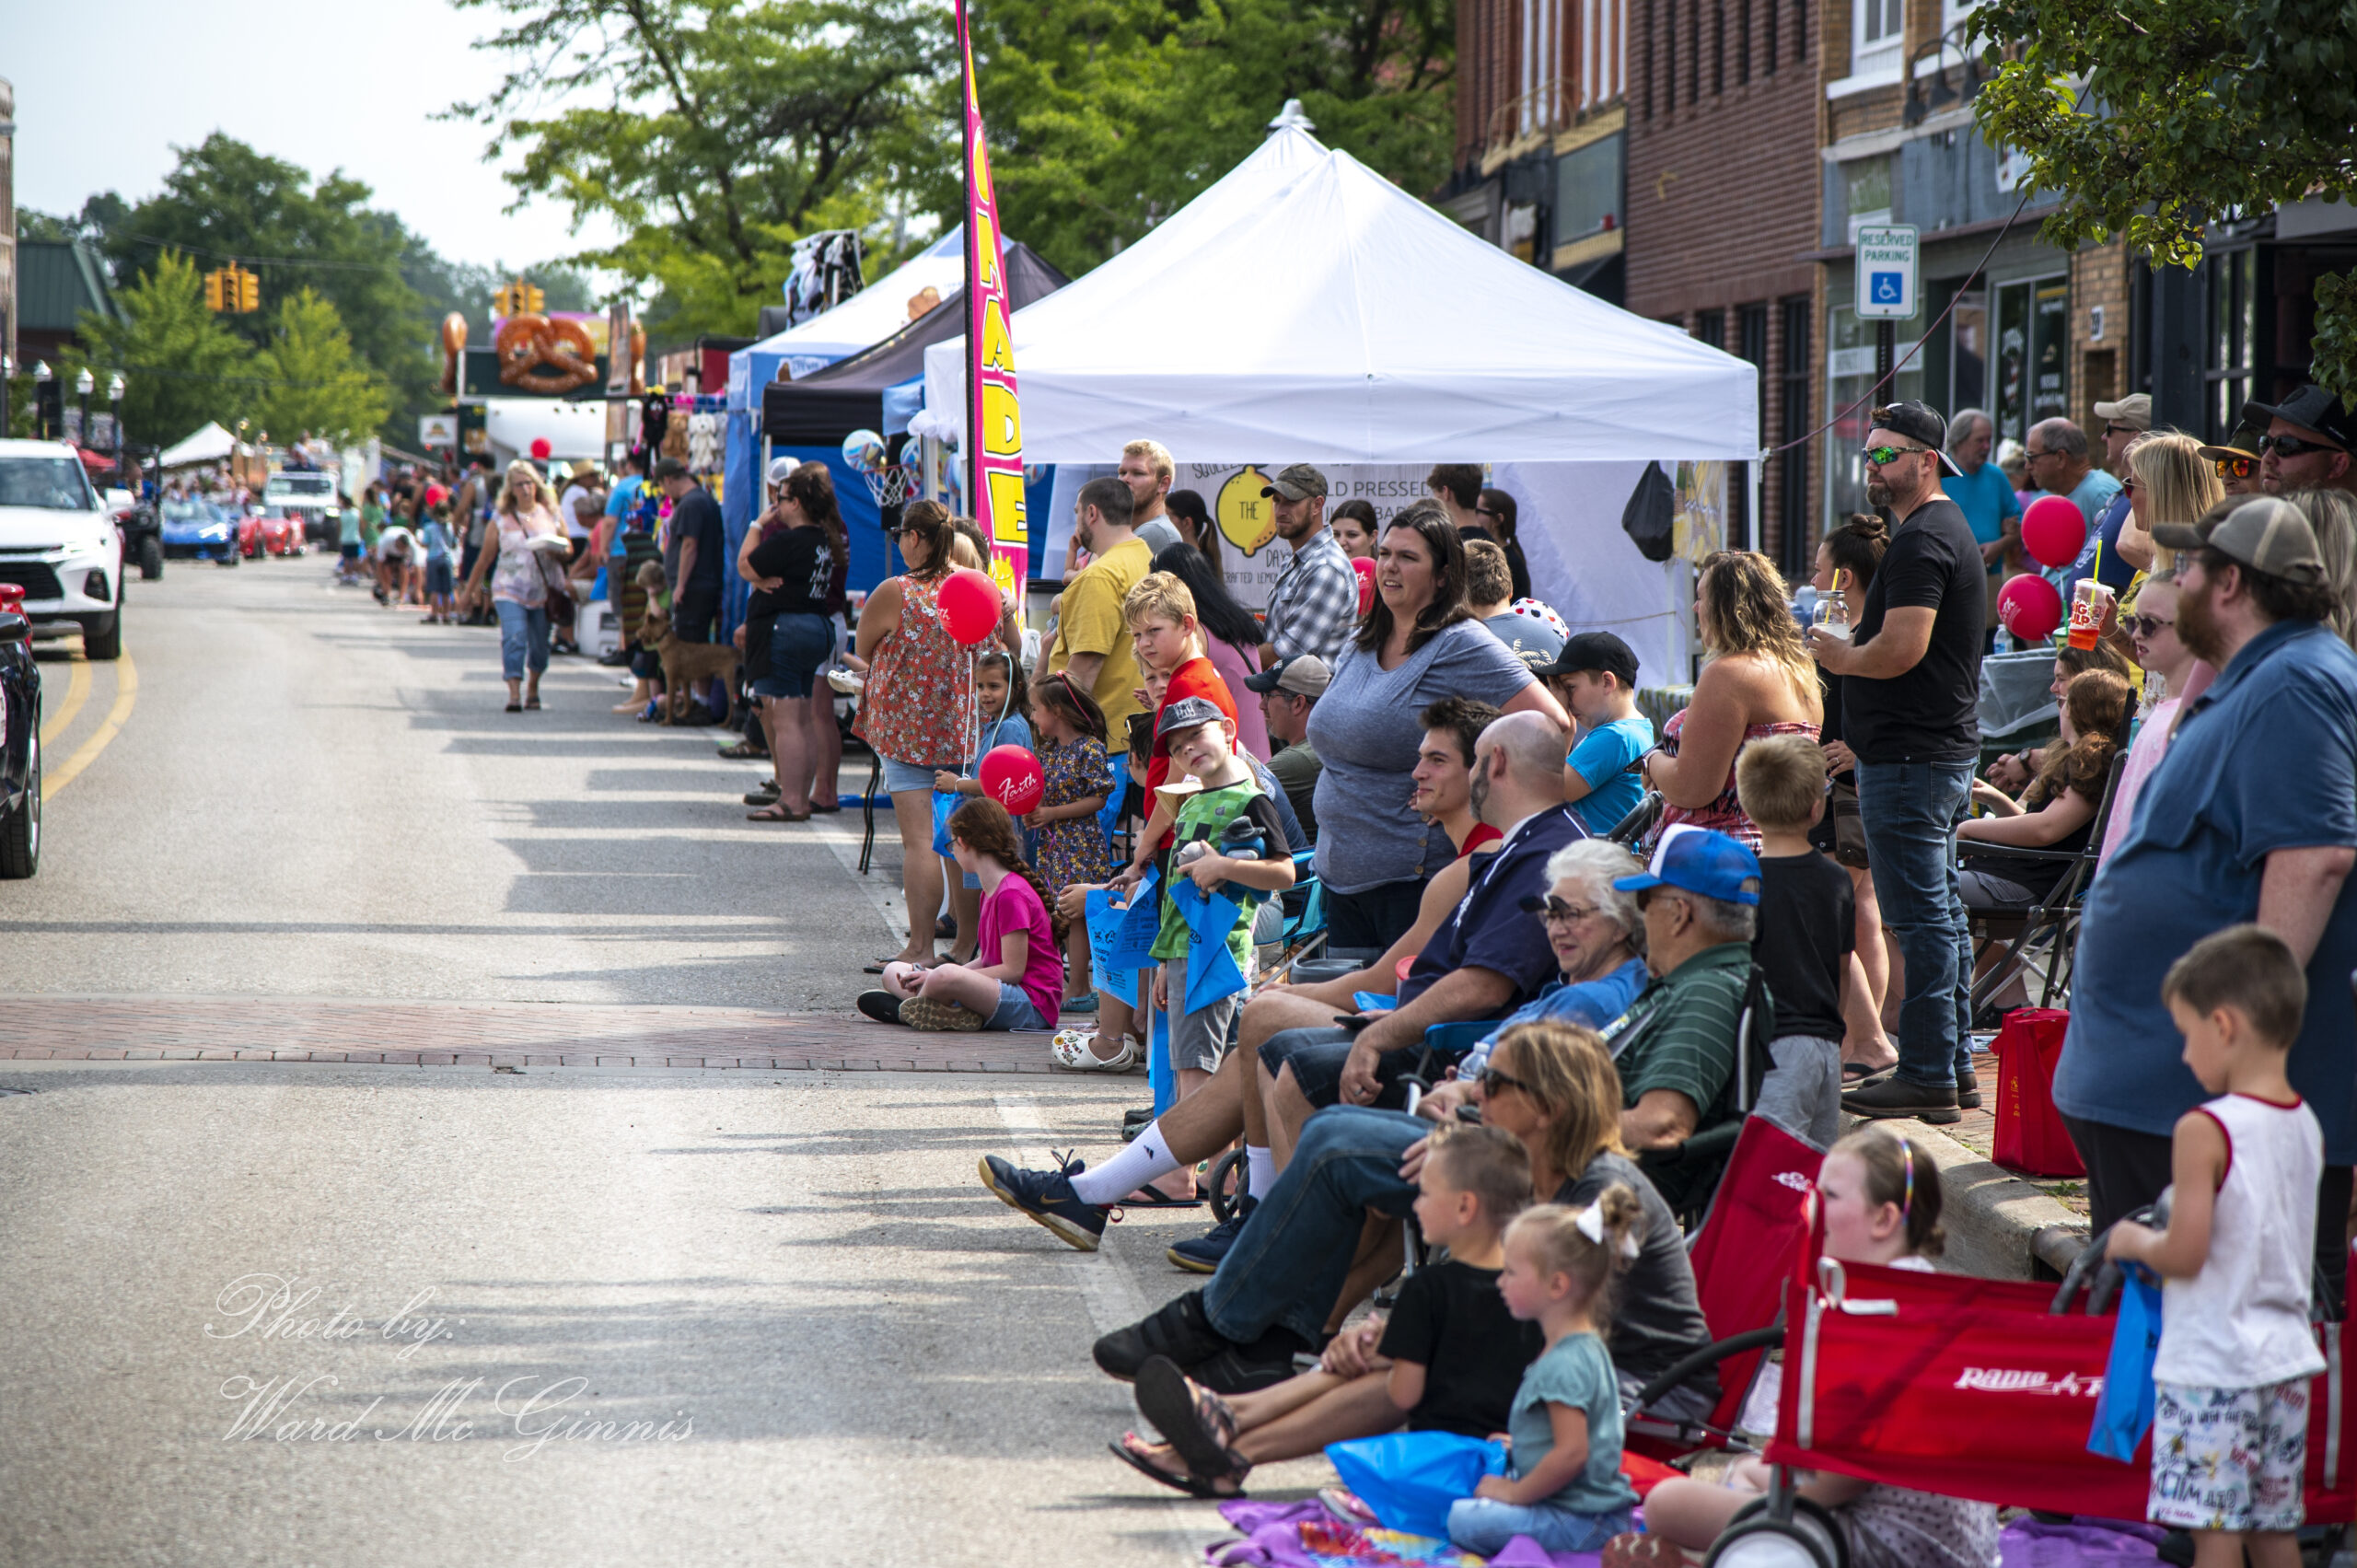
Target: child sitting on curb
{"type": "Point", "coordinates": [1021, 989]}
{"type": "Point", "coordinates": [1449, 1359]}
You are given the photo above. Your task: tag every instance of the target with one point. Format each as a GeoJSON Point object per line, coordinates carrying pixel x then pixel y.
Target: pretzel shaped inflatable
{"type": "Point", "coordinates": [537, 354]}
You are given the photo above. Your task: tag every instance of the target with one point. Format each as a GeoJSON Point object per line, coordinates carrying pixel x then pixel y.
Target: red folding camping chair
{"type": "Point", "coordinates": [1742, 1253]}
{"type": "Point", "coordinates": [1973, 1389]}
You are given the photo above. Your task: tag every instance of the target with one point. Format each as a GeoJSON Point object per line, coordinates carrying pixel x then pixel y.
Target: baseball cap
{"type": "Point", "coordinates": [2313, 407]}
{"type": "Point", "coordinates": [780, 467]}
{"type": "Point", "coordinates": [1918, 422]}
{"type": "Point", "coordinates": [1305, 675]}
{"type": "Point", "coordinates": [1595, 650]}
{"type": "Point", "coordinates": [2265, 533]}
{"type": "Point", "coordinates": [1296, 482]}
{"type": "Point", "coordinates": [2133, 411]}
{"type": "Point", "coordinates": [1697, 859]}
{"type": "Point", "coordinates": [1187, 712]}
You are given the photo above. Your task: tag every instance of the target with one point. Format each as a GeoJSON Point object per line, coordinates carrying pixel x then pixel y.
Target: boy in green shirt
{"type": "Point", "coordinates": [1217, 789]}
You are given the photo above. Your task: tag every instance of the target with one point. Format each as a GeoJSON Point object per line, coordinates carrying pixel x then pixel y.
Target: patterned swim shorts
{"type": "Point", "coordinates": [2229, 1458]}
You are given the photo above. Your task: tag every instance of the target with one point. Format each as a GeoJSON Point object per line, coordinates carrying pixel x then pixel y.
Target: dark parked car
{"type": "Point", "coordinates": [19, 739]}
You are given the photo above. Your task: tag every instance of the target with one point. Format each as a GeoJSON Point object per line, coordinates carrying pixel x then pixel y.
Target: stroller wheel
{"type": "Point", "coordinates": [1229, 1178]}
{"type": "Point", "coordinates": [1758, 1538]}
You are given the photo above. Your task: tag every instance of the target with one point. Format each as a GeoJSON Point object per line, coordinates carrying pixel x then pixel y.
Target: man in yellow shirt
{"type": "Point", "coordinates": [1092, 636]}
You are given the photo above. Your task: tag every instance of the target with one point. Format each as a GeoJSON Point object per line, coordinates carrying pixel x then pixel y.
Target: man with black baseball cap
{"type": "Point", "coordinates": [2308, 442]}
{"type": "Point", "coordinates": [1314, 600]}
{"type": "Point", "coordinates": [2251, 816]}
{"type": "Point", "coordinates": [1596, 676]}
{"type": "Point", "coordinates": [1910, 713]}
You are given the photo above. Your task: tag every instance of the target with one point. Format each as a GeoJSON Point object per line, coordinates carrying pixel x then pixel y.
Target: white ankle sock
{"type": "Point", "coordinates": [1147, 1157]}
{"type": "Point", "coordinates": [1260, 1170]}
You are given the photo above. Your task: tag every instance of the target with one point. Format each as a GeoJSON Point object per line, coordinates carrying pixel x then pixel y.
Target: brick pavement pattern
{"type": "Point", "coordinates": [460, 1034]}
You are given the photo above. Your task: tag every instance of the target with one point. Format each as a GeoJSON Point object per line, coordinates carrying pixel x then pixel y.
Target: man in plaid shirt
{"type": "Point", "coordinates": [1314, 603]}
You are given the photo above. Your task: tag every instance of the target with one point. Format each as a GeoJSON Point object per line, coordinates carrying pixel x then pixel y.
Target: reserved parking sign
{"type": "Point", "coordinates": [1886, 272]}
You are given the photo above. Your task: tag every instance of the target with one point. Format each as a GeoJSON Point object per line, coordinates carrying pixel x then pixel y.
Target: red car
{"type": "Point", "coordinates": [274, 533]}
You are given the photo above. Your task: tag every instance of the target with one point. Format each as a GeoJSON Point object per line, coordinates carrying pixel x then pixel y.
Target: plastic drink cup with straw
{"type": "Point", "coordinates": [2090, 605]}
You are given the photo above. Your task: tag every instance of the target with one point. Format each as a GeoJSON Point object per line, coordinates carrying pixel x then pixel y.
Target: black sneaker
{"type": "Point", "coordinates": [1968, 1091]}
{"type": "Point", "coordinates": [1047, 1197]}
{"type": "Point", "coordinates": [1895, 1097]}
{"type": "Point", "coordinates": [1179, 1330]}
{"type": "Point", "coordinates": [1241, 1369]}
{"type": "Point", "coordinates": [1201, 1254]}
{"type": "Point", "coordinates": [880, 1005]}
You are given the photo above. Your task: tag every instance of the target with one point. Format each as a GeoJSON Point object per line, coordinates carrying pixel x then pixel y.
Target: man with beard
{"type": "Point", "coordinates": [1092, 632]}
{"type": "Point", "coordinates": [1910, 710]}
{"type": "Point", "coordinates": [2307, 443]}
{"type": "Point", "coordinates": [1314, 600]}
{"type": "Point", "coordinates": [2251, 816]}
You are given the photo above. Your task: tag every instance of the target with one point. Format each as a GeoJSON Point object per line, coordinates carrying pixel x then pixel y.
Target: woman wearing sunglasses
{"type": "Point", "coordinates": [1599, 941]}
{"type": "Point", "coordinates": [2167, 482]}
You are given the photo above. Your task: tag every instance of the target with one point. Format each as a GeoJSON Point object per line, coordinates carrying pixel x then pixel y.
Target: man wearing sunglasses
{"type": "Point", "coordinates": [2237, 461]}
{"type": "Point", "coordinates": [1910, 713]}
{"type": "Point", "coordinates": [2308, 445]}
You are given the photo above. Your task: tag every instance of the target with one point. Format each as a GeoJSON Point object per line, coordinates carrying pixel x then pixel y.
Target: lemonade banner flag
{"type": "Point", "coordinates": [994, 417]}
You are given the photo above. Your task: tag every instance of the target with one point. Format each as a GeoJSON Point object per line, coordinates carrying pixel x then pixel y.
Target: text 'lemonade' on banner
{"type": "Point", "coordinates": [994, 415]}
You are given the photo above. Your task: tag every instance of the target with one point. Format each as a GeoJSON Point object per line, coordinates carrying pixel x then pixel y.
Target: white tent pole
{"type": "Point", "coordinates": [1759, 530]}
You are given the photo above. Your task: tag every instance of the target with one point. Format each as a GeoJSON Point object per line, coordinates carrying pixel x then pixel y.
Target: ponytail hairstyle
{"type": "Point", "coordinates": [1592, 1245]}
{"type": "Point", "coordinates": [1856, 548]}
{"type": "Point", "coordinates": [1063, 694]}
{"type": "Point", "coordinates": [812, 489]}
{"type": "Point", "coordinates": [2096, 701]}
{"type": "Point", "coordinates": [1897, 1172]}
{"type": "Point", "coordinates": [929, 520]}
{"type": "Point", "coordinates": [983, 826]}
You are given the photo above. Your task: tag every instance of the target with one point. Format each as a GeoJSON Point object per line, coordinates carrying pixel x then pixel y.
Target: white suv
{"type": "Point", "coordinates": [58, 541]}
{"type": "Point", "coordinates": [297, 492]}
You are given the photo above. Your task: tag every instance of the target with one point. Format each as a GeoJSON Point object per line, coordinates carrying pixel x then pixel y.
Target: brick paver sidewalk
{"type": "Point", "coordinates": [494, 1034]}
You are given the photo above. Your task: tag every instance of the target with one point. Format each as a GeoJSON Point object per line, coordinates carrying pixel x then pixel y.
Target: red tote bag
{"type": "Point", "coordinates": [2030, 1134]}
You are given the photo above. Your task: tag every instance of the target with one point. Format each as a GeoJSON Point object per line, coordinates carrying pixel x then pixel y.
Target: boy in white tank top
{"type": "Point", "coordinates": [2230, 1420]}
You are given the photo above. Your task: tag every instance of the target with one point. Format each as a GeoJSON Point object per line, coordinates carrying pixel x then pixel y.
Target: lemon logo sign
{"type": "Point", "coordinates": [1248, 520]}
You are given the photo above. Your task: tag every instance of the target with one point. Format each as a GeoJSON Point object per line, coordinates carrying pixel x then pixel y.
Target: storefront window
{"type": "Point", "coordinates": [1587, 190]}
{"type": "Point", "coordinates": [2033, 345]}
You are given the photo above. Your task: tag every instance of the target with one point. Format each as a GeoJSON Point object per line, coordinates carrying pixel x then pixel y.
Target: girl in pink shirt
{"type": "Point", "coordinates": [1024, 983]}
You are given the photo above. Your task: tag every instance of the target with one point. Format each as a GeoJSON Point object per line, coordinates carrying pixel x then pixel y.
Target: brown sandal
{"type": "Point", "coordinates": [776, 812]}
{"type": "Point", "coordinates": [1198, 1425]}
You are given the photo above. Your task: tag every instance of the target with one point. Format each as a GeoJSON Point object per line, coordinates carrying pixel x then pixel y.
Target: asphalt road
{"type": "Point", "coordinates": [314, 796]}
{"type": "Point", "coordinates": [863, 1357]}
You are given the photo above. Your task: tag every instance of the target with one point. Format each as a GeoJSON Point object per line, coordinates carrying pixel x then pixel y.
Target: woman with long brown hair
{"type": "Point", "coordinates": [791, 560]}
{"type": "Point", "coordinates": [1758, 681]}
{"type": "Point", "coordinates": [2057, 812]}
{"type": "Point", "coordinates": [918, 709]}
{"type": "Point", "coordinates": [1023, 983]}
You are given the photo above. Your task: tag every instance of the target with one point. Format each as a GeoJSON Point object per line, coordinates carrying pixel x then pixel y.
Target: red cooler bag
{"type": "Point", "coordinates": [2030, 1134]}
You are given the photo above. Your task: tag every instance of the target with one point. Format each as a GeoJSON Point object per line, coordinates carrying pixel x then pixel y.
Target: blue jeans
{"type": "Point", "coordinates": [523, 637]}
{"type": "Point", "coordinates": [1484, 1526]}
{"type": "Point", "coordinates": [1289, 1263]}
{"type": "Point", "coordinates": [1909, 811]}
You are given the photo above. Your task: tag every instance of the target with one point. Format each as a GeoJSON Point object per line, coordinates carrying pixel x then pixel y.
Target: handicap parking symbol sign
{"type": "Point", "coordinates": [1887, 288]}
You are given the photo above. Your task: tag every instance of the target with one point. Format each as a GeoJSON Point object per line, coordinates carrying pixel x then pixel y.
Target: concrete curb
{"type": "Point", "coordinates": [1998, 1226]}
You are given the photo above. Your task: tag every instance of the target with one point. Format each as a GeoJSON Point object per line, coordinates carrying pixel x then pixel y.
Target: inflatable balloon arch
{"type": "Point", "coordinates": [2053, 533]}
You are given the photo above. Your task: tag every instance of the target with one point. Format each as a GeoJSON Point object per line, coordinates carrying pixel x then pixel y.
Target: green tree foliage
{"type": "Point", "coordinates": [181, 365]}
{"type": "Point", "coordinates": [315, 382]}
{"type": "Point", "coordinates": [716, 134]}
{"type": "Point", "coordinates": [2190, 113]}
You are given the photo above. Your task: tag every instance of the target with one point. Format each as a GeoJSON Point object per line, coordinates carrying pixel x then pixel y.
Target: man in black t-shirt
{"type": "Point", "coordinates": [1910, 710]}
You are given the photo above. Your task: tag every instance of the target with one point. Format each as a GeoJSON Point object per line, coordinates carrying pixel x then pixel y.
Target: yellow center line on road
{"type": "Point", "coordinates": [78, 692]}
{"type": "Point", "coordinates": [126, 692]}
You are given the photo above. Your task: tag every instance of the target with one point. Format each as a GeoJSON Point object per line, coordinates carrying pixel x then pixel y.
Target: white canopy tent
{"type": "Point", "coordinates": [210, 444]}
{"type": "Point", "coordinates": [1306, 310]}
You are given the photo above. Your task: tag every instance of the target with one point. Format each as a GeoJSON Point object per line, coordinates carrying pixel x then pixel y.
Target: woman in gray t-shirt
{"type": "Point", "coordinates": [1417, 645]}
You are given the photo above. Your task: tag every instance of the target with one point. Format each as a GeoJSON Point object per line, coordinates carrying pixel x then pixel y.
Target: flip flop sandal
{"type": "Point", "coordinates": [1857, 1074]}
{"type": "Point", "coordinates": [1196, 1423]}
{"type": "Point", "coordinates": [1155, 1198]}
{"type": "Point", "coordinates": [514, 707]}
{"type": "Point", "coordinates": [776, 813]}
{"type": "Point", "coordinates": [1192, 1486]}
{"type": "Point", "coordinates": [531, 703]}
{"type": "Point", "coordinates": [820, 810]}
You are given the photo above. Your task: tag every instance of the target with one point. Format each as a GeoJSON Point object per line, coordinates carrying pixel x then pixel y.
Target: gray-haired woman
{"type": "Point", "coordinates": [1599, 942]}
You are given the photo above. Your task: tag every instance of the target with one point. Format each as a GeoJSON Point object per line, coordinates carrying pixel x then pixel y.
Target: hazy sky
{"type": "Point", "coordinates": [105, 93]}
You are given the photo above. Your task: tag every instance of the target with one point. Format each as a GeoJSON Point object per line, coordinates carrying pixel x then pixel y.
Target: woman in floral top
{"type": "Point", "coordinates": [918, 710]}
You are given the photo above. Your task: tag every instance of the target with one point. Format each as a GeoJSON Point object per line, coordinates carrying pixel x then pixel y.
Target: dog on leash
{"type": "Point", "coordinates": [685, 663]}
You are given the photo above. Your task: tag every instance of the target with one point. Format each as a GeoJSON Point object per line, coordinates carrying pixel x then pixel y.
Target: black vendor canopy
{"type": "Point", "coordinates": [827, 405]}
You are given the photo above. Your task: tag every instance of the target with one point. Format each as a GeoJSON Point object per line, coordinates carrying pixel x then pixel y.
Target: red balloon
{"type": "Point", "coordinates": [2054, 530]}
{"type": "Point", "coordinates": [1011, 776]}
{"type": "Point", "coordinates": [1365, 569]}
{"type": "Point", "coordinates": [970, 605]}
{"type": "Point", "coordinates": [541, 448]}
{"type": "Point", "coordinates": [2029, 606]}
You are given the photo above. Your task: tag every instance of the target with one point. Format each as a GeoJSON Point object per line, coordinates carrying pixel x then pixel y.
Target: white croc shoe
{"type": "Point", "coordinates": [1072, 1049]}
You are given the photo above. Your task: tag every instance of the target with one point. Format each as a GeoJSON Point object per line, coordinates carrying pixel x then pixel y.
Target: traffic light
{"type": "Point", "coordinates": [249, 290]}
{"type": "Point", "coordinates": [215, 291]}
{"type": "Point", "coordinates": [519, 299]}
{"type": "Point", "coordinates": [535, 301]}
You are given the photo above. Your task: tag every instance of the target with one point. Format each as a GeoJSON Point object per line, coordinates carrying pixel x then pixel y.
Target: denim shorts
{"type": "Point", "coordinates": [1015, 1010]}
{"type": "Point", "coordinates": [901, 777]}
{"type": "Point", "coordinates": [798, 646]}
{"type": "Point", "coordinates": [437, 577]}
{"type": "Point", "coordinates": [1317, 1057]}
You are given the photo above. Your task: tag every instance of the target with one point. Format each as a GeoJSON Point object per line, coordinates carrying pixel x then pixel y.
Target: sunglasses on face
{"type": "Point", "coordinates": [2237, 468]}
{"type": "Point", "coordinates": [2147, 625]}
{"type": "Point", "coordinates": [2128, 487]}
{"type": "Point", "coordinates": [1491, 1081]}
{"type": "Point", "coordinates": [2292, 445]}
{"type": "Point", "coordinates": [1883, 457]}
{"type": "Point", "coordinates": [1552, 910]}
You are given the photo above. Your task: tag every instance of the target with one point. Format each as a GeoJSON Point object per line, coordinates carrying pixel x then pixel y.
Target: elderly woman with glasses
{"type": "Point", "coordinates": [1599, 941]}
